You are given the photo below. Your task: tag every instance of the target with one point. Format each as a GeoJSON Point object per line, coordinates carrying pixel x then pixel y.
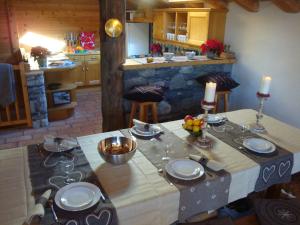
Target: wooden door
{"type": "Point", "coordinates": [158, 25]}
{"type": "Point", "coordinates": [198, 23]}
{"type": "Point", "coordinates": [78, 74]}
{"type": "Point", "coordinates": [92, 68]}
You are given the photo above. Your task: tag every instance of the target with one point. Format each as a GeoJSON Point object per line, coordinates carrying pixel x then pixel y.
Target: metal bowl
{"type": "Point", "coordinates": [117, 150]}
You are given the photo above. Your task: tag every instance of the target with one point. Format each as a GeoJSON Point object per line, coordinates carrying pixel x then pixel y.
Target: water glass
{"type": "Point", "coordinates": [67, 167]}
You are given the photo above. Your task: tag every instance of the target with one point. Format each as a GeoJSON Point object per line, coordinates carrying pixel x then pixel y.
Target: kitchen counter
{"type": "Point", "coordinates": [177, 61]}
{"type": "Point", "coordinates": [183, 93]}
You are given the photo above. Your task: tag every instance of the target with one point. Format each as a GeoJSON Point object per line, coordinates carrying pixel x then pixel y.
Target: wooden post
{"type": "Point", "coordinates": [112, 57]}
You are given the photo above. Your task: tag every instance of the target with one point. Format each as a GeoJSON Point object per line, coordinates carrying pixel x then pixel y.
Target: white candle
{"type": "Point", "coordinates": [210, 91]}
{"type": "Point", "coordinates": [265, 85]}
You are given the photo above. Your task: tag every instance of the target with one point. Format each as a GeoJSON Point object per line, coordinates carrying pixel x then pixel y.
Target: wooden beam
{"type": "Point", "coordinates": [12, 27]}
{"type": "Point", "coordinates": [112, 58]}
{"type": "Point", "coordinates": [218, 4]}
{"type": "Point", "coordinates": [290, 6]}
{"type": "Point", "coordinates": [249, 5]}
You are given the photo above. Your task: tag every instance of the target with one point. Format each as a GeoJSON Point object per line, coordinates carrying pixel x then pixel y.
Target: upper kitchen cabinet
{"type": "Point", "coordinates": [158, 25]}
{"type": "Point", "coordinates": [189, 26]}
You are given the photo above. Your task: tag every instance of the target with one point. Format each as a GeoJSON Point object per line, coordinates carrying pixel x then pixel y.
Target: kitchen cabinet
{"type": "Point", "coordinates": [88, 70]}
{"type": "Point", "coordinates": [158, 25]}
{"type": "Point", "coordinates": [189, 26]}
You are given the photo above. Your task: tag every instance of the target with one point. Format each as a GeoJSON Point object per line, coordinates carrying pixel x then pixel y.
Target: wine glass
{"type": "Point", "coordinates": [167, 149]}
{"type": "Point", "coordinates": [68, 167]}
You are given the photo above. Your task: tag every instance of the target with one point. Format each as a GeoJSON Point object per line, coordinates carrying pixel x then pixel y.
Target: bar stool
{"type": "Point", "coordinates": [143, 108]}
{"type": "Point", "coordinates": [225, 95]}
{"type": "Point", "coordinates": [143, 99]}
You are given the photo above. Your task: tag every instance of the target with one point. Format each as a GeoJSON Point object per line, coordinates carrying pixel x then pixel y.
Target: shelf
{"type": "Point", "coordinates": [64, 87]}
{"type": "Point", "coordinates": [71, 105]}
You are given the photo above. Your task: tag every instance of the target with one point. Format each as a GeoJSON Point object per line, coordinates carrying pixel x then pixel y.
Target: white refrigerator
{"type": "Point", "coordinates": [137, 39]}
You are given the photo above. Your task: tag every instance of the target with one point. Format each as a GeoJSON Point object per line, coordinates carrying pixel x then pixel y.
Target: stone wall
{"type": "Point", "coordinates": [37, 100]}
{"type": "Point", "coordinates": [184, 93]}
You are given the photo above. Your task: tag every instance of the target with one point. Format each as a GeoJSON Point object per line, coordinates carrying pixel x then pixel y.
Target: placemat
{"type": "Point", "coordinates": [275, 168]}
{"type": "Point", "coordinates": [208, 193]}
{"type": "Point", "coordinates": [278, 212]}
{"type": "Point", "coordinates": [46, 173]}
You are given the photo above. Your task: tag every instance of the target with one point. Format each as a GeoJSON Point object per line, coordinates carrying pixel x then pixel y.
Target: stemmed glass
{"type": "Point", "coordinates": [68, 167]}
{"type": "Point", "coordinates": [167, 149]}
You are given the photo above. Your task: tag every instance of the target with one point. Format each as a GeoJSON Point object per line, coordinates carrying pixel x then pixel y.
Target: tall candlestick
{"type": "Point", "coordinates": [265, 85]}
{"type": "Point", "coordinates": [210, 91]}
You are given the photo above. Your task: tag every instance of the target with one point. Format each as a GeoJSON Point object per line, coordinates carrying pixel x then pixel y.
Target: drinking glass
{"type": "Point", "coordinates": [68, 167]}
{"type": "Point", "coordinates": [167, 149]}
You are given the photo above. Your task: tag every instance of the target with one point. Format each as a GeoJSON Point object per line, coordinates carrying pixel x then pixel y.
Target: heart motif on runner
{"type": "Point", "coordinates": [284, 167]}
{"type": "Point", "coordinates": [267, 173]}
{"type": "Point", "coordinates": [104, 218]}
{"type": "Point", "coordinates": [72, 222]}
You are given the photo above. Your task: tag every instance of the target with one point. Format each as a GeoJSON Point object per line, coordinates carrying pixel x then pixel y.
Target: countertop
{"type": "Point", "coordinates": [159, 62]}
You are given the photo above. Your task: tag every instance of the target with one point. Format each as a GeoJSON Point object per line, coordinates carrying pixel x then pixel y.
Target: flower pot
{"type": "Point", "coordinates": [42, 62]}
{"type": "Point", "coordinates": [211, 55]}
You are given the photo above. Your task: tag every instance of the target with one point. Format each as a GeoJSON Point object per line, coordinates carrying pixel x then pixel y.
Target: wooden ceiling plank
{"type": "Point", "coordinates": [290, 6]}
{"type": "Point", "coordinates": [249, 5]}
{"type": "Point", "coordinates": [218, 4]}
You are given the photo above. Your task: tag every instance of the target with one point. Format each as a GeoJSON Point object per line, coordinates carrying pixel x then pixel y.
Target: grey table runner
{"type": "Point", "coordinates": [275, 168]}
{"type": "Point", "coordinates": [208, 193]}
{"type": "Point", "coordinates": [45, 173]}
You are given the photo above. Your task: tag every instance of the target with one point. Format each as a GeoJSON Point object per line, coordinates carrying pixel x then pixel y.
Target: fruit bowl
{"type": "Point", "coordinates": [193, 125]}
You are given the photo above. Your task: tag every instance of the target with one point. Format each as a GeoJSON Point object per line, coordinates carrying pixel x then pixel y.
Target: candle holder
{"type": "Point", "coordinates": [203, 140]}
{"type": "Point", "coordinates": [258, 127]}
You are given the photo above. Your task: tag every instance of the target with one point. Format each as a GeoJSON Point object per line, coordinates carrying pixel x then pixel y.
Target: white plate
{"type": "Point", "coordinates": [66, 145]}
{"type": "Point", "coordinates": [213, 118]}
{"type": "Point", "coordinates": [153, 130]}
{"type": "Point", "coordinates": [184, 169]}
{"type": "Point", "coordinates": [77, 196]}
{"type": "Point", "coordinates": [259, 145]}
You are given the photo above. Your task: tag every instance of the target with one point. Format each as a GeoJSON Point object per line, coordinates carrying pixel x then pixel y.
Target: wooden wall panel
{"type": "Point", "coordinates": [5, 46]}
{"type": "Point", "coordinates": [53, 18]}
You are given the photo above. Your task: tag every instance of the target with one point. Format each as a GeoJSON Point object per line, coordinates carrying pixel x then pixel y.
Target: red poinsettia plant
{"type": "Point", "coordinates": [212, 45]}
{"type": "Point", "coordinates": [156, 48]}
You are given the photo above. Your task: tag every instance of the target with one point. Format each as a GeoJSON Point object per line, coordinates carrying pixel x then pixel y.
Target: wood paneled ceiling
{"type": "Point", "coordinates": [290, 6]}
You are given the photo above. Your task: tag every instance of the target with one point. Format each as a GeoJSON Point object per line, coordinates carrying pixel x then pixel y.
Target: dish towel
{"type": "Point", "coordinates": [7, 84]}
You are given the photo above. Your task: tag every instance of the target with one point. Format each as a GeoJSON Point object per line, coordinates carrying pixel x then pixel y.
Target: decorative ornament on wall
{"type": "Point", "coordinates": [113, 28]}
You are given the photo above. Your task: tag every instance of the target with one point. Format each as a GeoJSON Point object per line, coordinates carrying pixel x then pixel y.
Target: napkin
{"type": "Point", "coordinates": [209, 163]}
{"type": "Point", "coordinates": [141, 125]}
{"type": "Point", "coordinates": [38, 210]}
{"type": "Point", "coordinates": [65, 143]}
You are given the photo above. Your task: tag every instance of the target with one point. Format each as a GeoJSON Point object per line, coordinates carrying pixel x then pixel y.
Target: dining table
{"type": "Point", "coordinates": [140, 194]}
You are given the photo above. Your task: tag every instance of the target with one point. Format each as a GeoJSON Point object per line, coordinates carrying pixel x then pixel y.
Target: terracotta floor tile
{"type": "Point", "coordinates": [86, 120]}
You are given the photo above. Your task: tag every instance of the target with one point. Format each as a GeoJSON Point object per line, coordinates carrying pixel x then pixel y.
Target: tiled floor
{"type": "Point", "coordinates": [86, 120]}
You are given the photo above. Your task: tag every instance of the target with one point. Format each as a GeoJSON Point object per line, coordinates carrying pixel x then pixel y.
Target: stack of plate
{"type": "Point", "coordinates": [214, 119]}
{"type": "Point", "coordinates": [259, 145]}
{"type": "Point", "coordinates": [77, 196]}
{"type": "Point", "coordinates": [184, 169]}
{"type": "Point", "coordinates": [140, 131]}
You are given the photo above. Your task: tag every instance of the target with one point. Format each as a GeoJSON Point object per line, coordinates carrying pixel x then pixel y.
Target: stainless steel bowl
{"type": "Point", "coordinates": [117, 150]}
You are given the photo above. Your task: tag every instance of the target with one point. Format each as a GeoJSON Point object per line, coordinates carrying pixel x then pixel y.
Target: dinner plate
{"type": "Point", "coordinates": [65, 145]}
{"type": "Point", "coordinates": [213, 118]}
{"type": "Point", "coordinates": [259, 145]}
{"type": "Point", "coordinates": [77, 196]}
{"type": "Point", "coordinates": [153, 130]}
{"type": "Point", "coordinates": [184, 169]}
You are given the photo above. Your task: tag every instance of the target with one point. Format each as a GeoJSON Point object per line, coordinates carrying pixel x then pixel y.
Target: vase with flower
{"type": "Point", "coordinates": [40, 55]}
{"type": "Point", "coordinates": [212, 48]}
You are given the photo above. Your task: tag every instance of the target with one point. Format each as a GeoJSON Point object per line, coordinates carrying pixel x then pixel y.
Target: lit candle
{"type": "Point", "coordinates": [265, 85]}
{"type": "Point", "coordinates": [210, 91]}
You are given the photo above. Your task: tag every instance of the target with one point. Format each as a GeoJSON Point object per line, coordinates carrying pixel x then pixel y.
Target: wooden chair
{"type": "Point", "coordinates": [143, 108]}
{"type": "Point", "coordinates": [17, 113]}
{"type": "Point", "coordinates": [225, 95]}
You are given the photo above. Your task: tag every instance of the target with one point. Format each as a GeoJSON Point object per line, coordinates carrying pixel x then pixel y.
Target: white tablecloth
{"type": "Point", "coordinates": [139, 193]}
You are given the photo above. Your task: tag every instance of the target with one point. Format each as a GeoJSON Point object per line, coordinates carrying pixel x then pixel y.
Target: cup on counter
{"type": "Point", "coordinates": [168, 55]}
{"type": "Point", "coordinates": [190, 55]}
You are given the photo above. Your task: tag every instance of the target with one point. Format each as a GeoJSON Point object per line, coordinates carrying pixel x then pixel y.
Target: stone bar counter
{"type": "Point", "coordinates": [183, 94]}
